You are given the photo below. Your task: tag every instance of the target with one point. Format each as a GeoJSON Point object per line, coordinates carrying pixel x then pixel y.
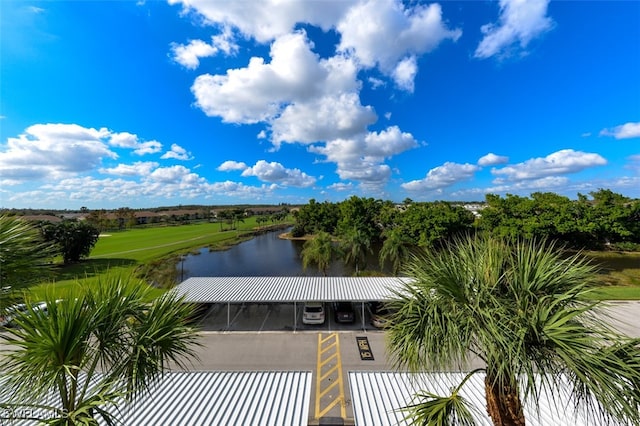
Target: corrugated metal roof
{"type": "Point", "coordinates": [377, 398]}
{"type": "Point", "coordinates": [262, 398]}
{"type": "Point", "coordinates": [286, 289]}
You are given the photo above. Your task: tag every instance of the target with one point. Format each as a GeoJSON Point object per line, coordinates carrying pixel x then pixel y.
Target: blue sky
{"type": "Point", "coordinates": [143, 104]}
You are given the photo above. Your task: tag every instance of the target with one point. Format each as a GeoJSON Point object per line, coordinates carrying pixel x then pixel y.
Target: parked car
{"type": "Point", "coordinates": [343, 312]}
{"type": "Point", "coordinates": [379, 314]}
{"type": "Point", "coordinates": [313, 313]}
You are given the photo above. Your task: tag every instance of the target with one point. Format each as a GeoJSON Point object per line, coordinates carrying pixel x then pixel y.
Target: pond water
{"type": "Point", "coordinates": [264, 255]}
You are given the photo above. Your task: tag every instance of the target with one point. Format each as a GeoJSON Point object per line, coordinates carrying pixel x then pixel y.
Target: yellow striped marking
{"type": "Point", "coordinates": [329, 376]}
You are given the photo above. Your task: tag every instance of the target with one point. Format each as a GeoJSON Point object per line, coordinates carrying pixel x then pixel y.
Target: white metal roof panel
{"type": "Point", "coordinates": [377, 398]}
{"type": "Point", "coordinates": [287, 289]}
{"type": "Point", "coordinates": [261, 398]}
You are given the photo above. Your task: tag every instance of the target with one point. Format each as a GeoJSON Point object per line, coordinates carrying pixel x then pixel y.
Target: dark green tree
{"type": "Point", "coordinates": [319, 251]}
{"type": "Point", "coordinates": [354, 246]}
{"type": "Point", "coordinates": [395, 249]}
{"type": "Point", "coordinates": [74, 239]}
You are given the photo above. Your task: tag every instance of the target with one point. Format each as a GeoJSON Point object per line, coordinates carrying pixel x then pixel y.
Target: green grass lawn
{"type": "Point", "coordinates": [151, 253]}
{"type": "Point", "coordinates": [619, 273]}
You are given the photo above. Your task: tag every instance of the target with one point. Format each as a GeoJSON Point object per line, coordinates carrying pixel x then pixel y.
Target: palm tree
{"type": "Point", "coordinates": [523, 308]}
{"type": "Point", "coordinates": [355, 246]}
{"type": "Point", "coordinates": [395, 249]}
{"type": "Point", "coordinates": [318, 251]}
{"type": "Point", "coordinates": [24, 257]}
{"type": "Point", "coordinates": [103, 342]}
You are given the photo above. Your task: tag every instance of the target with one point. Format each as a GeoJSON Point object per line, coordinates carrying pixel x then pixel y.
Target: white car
{"type": "Point", "coordinates": [313, 313]}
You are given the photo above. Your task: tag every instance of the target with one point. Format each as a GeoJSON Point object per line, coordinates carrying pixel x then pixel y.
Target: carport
{"type": "Point", "coordinates": [236, 290]}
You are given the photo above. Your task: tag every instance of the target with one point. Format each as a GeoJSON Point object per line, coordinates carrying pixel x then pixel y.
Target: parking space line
{"type": "Point", "coordinates": [329, 376]}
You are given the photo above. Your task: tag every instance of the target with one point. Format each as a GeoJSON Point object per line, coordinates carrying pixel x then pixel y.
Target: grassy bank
{"type": "Point", "coordinates": [619, 273]}
{"type": "Point", "coordinates": [149, 253]}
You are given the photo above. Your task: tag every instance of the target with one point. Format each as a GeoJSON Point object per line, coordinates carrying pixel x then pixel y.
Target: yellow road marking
{"type": "Point", "coordinates": [329, 376]}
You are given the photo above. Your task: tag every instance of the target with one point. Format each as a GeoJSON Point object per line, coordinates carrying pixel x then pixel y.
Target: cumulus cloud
{"type": "Point", "coordinates": [526, 187]}
{"type": "Point", "coordinates": [624, 131]}
{"type": "Point", "coordinates": [384, 32]}
{"type": "Point", "coordinates": [140, 168]}
{"type": "Point", "coordinates": [341, 186]}
{"type": "Point", "coordinates": [188, 55]}
{"type": "Point", "coordinates": [230, 165]}
{"type": "Point", "coordinates": [46, 151]}
{"type": "Point", "coordinates": [405, 73]}
{"type": "Point", "coordinates": [268, 19]}
{"type": "Point", "coordinates": [520, 22]}
{"type": "Point", "coordinates": [257, 92]}
{"type": "Point", "coordinates": [492, 159]}
{"type": "Point", "coordinates": [558, 163]}
{"type": "Point", "coordinates": [276, 173]}
{"type": "Point", "coordinates": [131, 141]}
{"type": "Point", "coordinates": [360, 158]}
{"type": "Point", "coordinates": [442, 176]}
{"type": "Point", "coordinates": [177, 153]}
{"type": "Point", "coordinates": [324, 118]}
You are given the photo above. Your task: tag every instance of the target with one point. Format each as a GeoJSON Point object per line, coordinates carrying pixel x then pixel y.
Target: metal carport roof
{"type": "Point", "coordinates": [377, 398]}
{"type": "Point", "coordinates": [240, 398]}
{"type": "Point", "coordinates": [287, 289]}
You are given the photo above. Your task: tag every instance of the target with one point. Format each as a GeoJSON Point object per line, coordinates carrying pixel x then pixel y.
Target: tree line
{"type": "Point", "coordinates": [602, 220]}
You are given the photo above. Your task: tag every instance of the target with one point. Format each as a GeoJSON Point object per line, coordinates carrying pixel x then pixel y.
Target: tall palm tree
{"type": "Point", "coordinates": [523, 308]}
{"type": "Point", "coordinates": [103, 342]}
{"type": "Point", "coordinates": [24, 257]}
{"type": "Point", "coordinates": [356, 245]}
{"type": "Point", "coordinates": [395, 249]}
{"type": "Point", "coordinates": [318, 251]}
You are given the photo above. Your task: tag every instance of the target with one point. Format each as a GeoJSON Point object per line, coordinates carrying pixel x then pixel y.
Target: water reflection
{"type": "Point", "coordinates": [264, 255]}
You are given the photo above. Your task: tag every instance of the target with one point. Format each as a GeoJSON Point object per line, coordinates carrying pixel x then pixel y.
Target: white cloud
{"type": "Point", "coordinates": [549, 183]}
{"type": "Point", "coordinates": [256, 93]}
{"type": "Point", "coordinates": [558, 163]}
{"type": "Point", "coordinates": [172, 174]}
{"type": "Point", "coordinates": [360, 158]}
{"type": "Point", "coordinates": [230, 165]}
{"type": "Point", "coordinates": [240, 190]}
{"type": "Point", "coordinates": [149, 147]}
{"type": "Point", "coordinates": [131, 141]}
{"type": "Point", "coordinates": [177, 153]}
{"type": "Point", "coordinates": [140, 168]}
{"type": "Point", "coordinates": [492, 159]}
{"type": "Point", "coordinates": [324, 118]}
{"type": "Point", "coordinates": [268, 19]}
{"type": "Point", "coordinates": [188, 55]}
{"type": "Point", "coordinates": [405, 73]}
{"type": "Point", "coordinates": [376, 83]}
{"type": "Point", "coordinates": [383, 32]}
{"type": "Point", "coordinates": [341, 186]}
{"type": "Point", "coordinates": [51, 151]}
{"type": "Point", "coordinates": [520, 22]}
{"type": "Point", "coordinates": [624, 131]}
{"type": "Point", "coordinates": [442, 176]}
{"type": "Point", "coordinates": [276, 173]}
